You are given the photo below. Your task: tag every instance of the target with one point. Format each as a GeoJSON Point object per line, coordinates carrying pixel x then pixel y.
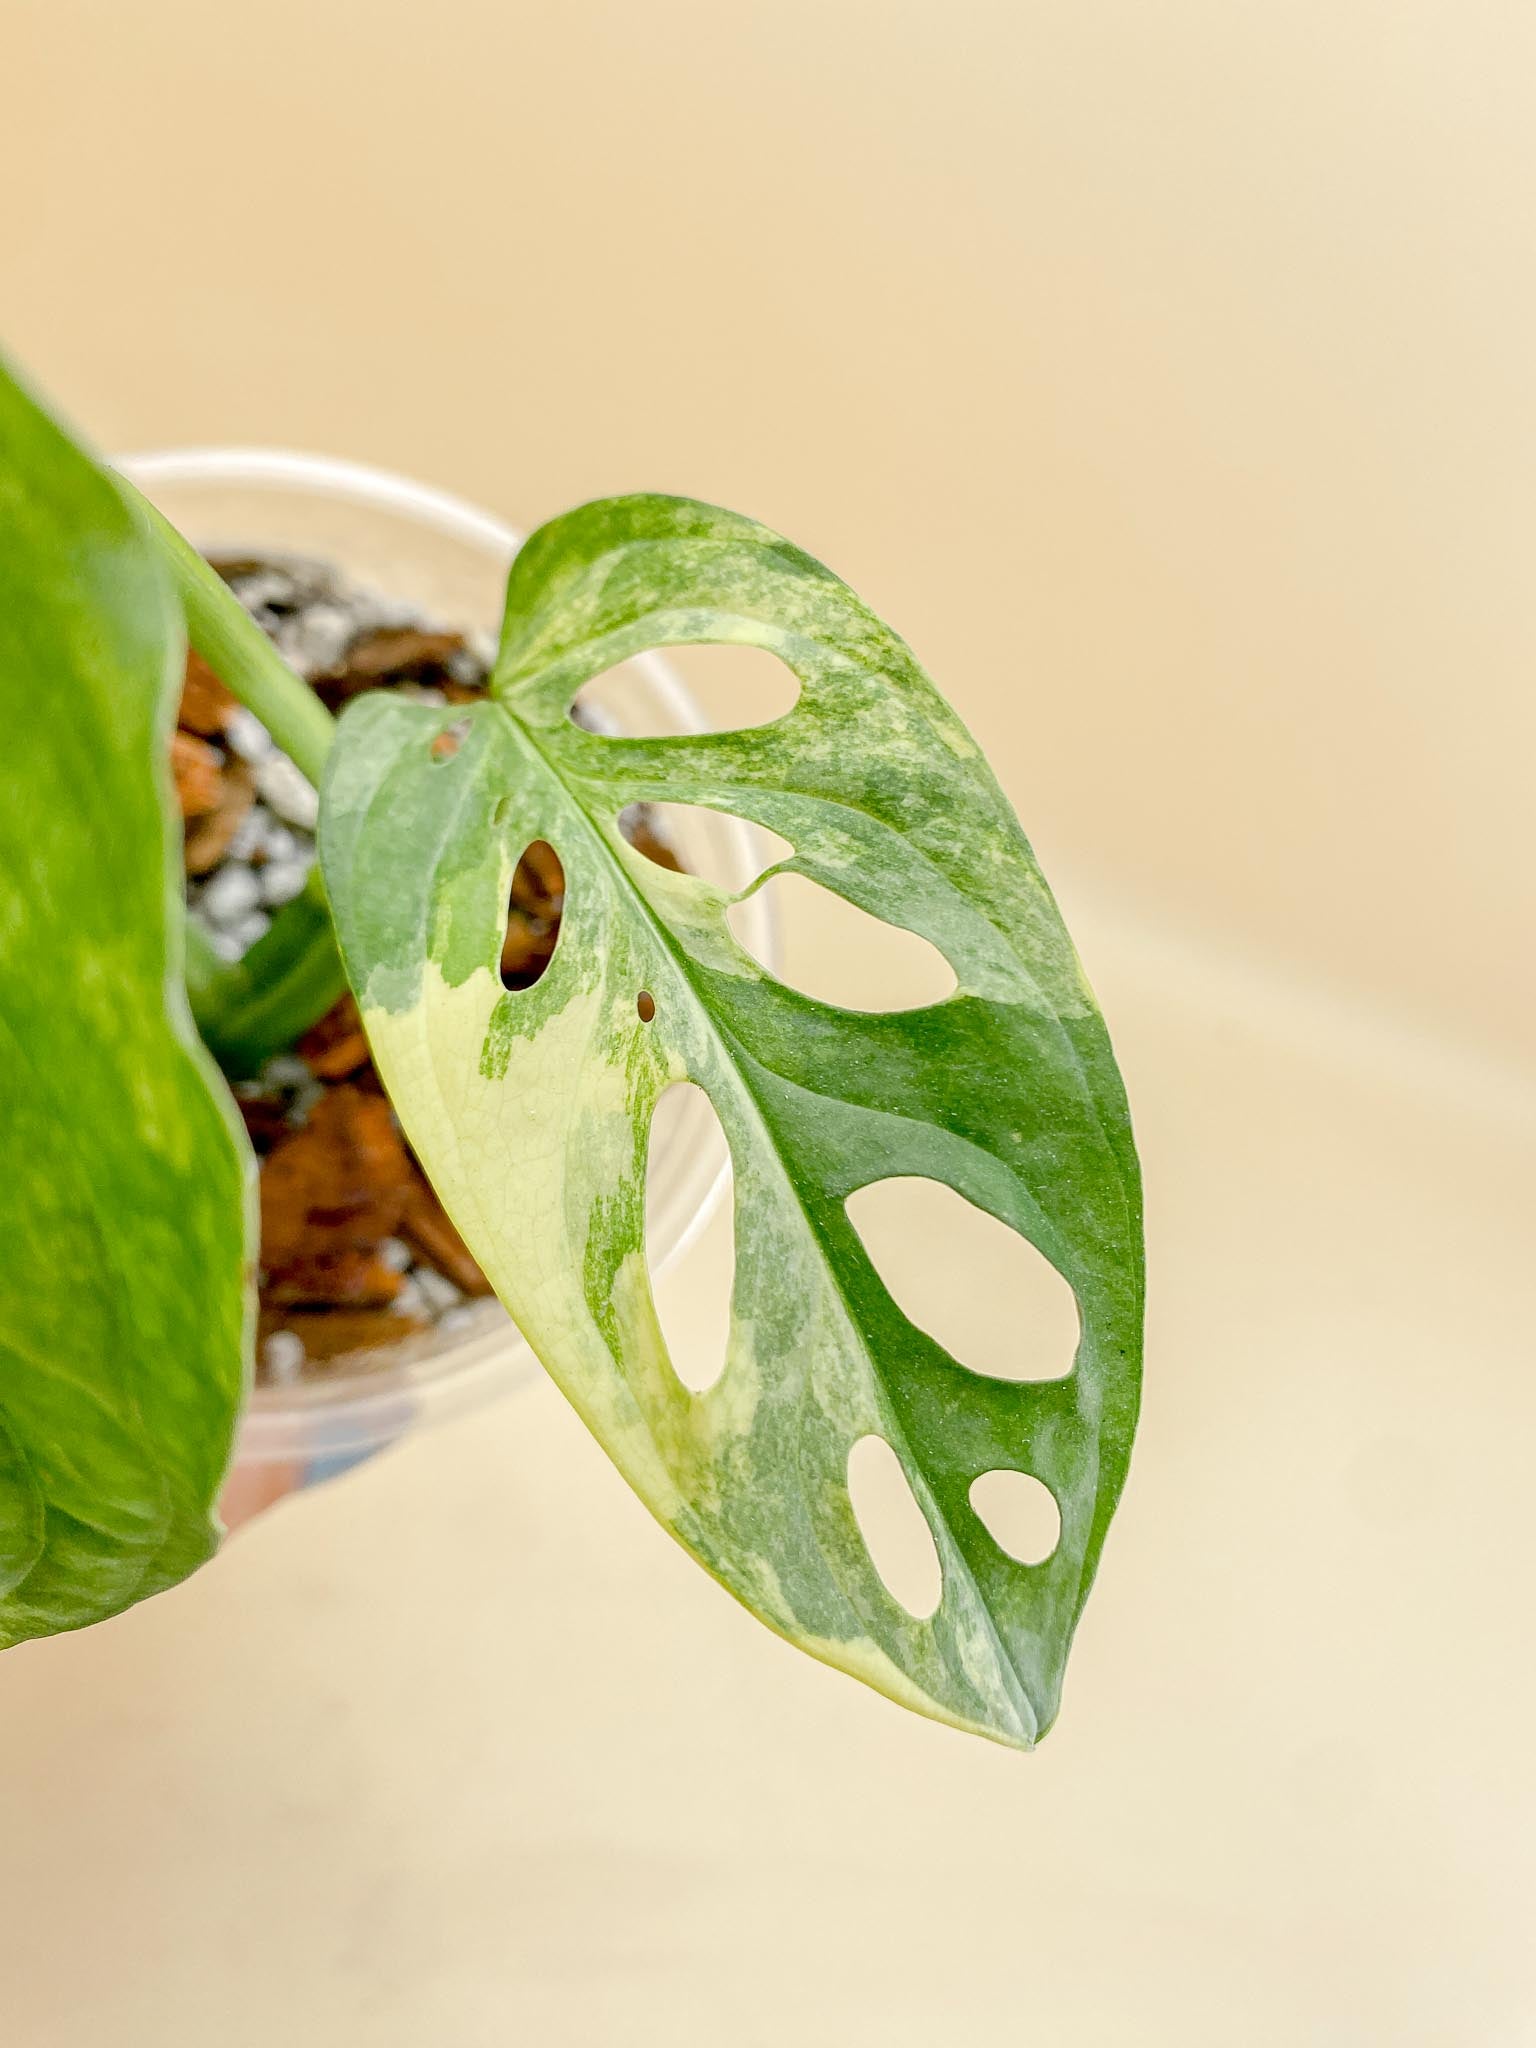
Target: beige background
{"type": "Point", "coordinates": [1164, 372]}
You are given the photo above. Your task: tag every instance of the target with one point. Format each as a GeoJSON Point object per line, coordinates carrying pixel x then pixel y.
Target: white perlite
{"type": "Point", "coordinates": [287, 792]}
{"type": "Point", "coordinates": [246, 735]}
{"type": "Point", "coordinates": [283, 1356]}
{"type": "Point", "coordinates": [230, 895]}
{"type": "Point", "coordinates": [410, 1301]}
{"type": "Point", "coordinates": [281, 880]}
{"type": "Point", "coordinates": [314, 639]}
{"type": "Point", "coordinates": [285, 1070]}
{"type": "Point", "coordinates": [252, 834]}
{"type": "Point", "coordinates": [438, 1292]}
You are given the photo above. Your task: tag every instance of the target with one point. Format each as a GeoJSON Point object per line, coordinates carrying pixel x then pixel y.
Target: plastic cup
{"type": "Point", "coordinates": [448, 561]}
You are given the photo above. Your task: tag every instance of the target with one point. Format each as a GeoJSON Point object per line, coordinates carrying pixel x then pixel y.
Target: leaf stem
{"type": "Point", "coordinates": [247, 1009]}
{"type": "Point", "coordinates": [239, 653]}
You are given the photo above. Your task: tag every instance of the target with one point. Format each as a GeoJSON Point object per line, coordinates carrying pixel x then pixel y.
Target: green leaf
{"type": "Point", "coordinates": [531, 1109]}
{"type": "Point", "coordinates": [126, 1194]}
{"type": "Point", "coordinates": [250, 1008]}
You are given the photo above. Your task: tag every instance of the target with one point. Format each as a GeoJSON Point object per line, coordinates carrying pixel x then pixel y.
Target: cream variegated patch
{"type": "Point", "coordinates": [499, 1152]}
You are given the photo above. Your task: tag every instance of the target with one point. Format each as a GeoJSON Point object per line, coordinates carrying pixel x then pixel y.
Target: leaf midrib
{"type": "Point", "coordinates": [1030, 1718]}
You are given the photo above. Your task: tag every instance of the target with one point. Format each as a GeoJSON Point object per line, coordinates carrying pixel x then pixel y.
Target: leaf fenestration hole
{"type": "Point", "coordinates": [446, 743]}
{"type": "Point", "coordinates": [736, 688]}
{"type": "Point", "coordinates": [840, 954]}
{"type": "Point", "coordinates": [694, 1308]}
{"type": "Point", "coordinates": [704, 842]}
{"type": "Point", "coordinates": [994, 1302]}
{"type": "Point", "coordinates": [535, 906]}
{"type": "Point", "coordinates": [894, 1528]}
{"type": "Point", "coordinates": [1019, 1513]}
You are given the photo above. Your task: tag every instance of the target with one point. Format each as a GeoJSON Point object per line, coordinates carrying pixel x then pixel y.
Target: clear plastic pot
{"type": "Point", "coordinates": [448, 560]}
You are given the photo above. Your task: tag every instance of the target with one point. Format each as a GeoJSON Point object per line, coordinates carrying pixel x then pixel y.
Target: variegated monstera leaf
{"type": "Point", "coordinates": [531, 1108]}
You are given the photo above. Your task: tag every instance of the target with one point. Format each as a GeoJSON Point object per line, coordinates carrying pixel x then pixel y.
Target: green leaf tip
{"type": "Point", "coordinates": [531, 1109]}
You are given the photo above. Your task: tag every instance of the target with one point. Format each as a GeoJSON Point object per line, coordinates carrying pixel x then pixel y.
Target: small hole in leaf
{"type": "Point", "coordinates": [712, 844]}
{"type": "Point", "coordinates": [534, 909]}
{"type": "Point", "coordinates": [693, 1306]}
{"type": "Point", "coordinates": [447, 743]}
{"type": "Point", "coordinates": [894, 1527]}
{"type": "Point", "coordinates": [840, 954]}
{"type": "Point", "coordinates": [981, 1290]}
{"type": "Point", "coordinates": [734, 688]}
{"type": "Point", "coordinates": [645, 1006]}
{"type": "Point", "coordinates": [1019, 1513]}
